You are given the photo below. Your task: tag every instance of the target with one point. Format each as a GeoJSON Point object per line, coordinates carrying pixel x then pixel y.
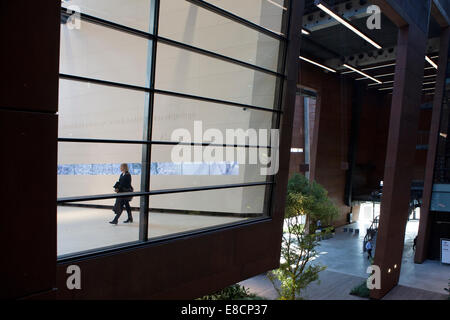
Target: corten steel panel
{"type": "Point", "coordinates": [424, 225]}
{"type": "Point", "coordinates": [28, 214]}
{"type": "Point", "coordinates": [180, 269]}
{"type": "Point", "coordinates": [440, 10]}
{"type": "Point", "coordinates": [195, 265]}
{"type": "Point", "coordinates": [329, 148]}
{"type": "Point", "coordinates": [399, 163]}
{"type": "Point", "coordinates": [298, 136]}
{"type": "Point", "coordinates": [406, 12]}
{"type": "Point", "coordinates": [29, 58]}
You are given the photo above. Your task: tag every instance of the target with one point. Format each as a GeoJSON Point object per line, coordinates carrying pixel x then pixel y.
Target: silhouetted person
{"type": "Point", "coordinates": [415, 243]}
{"type": "Point", "coordinates": [369, 248]}
{"type": "Point", "coordinates": [123, 185]}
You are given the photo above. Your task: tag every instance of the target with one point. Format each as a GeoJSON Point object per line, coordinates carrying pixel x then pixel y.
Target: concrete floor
{"type": "Point", "coordinates": [81, 229]}
{"type": "Point", "coordinates": [346, 267]}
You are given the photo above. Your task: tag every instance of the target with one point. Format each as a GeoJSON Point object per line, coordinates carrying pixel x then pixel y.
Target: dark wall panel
{"type": "Point", "coordinates": [29, 59]}
{"type": "Point", "coordinates": [177, 269]}
{"type": "Point", "coordinates": [329, 150]}
{"type": "Point", "coordinates": [28, 213]}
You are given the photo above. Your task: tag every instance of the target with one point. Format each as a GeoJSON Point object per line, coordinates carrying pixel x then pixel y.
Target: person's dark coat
{"type": "Point", "coordinates": [124, 183]}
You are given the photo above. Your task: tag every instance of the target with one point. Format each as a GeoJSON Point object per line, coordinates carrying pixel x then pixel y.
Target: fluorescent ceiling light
{"type": "Point", "coordinates": [346, 23]}
{"type": "Point", "coordinates": [306, 32]}
{"type": "Point", "coordinates": [431, 82]}
{"type": "Point", "coordinates": [362, 73]}
{"type": "Point", "coordinates": [378, 76]}
{"type": "Point", "coordinates": [277, 5]}
{"type": "Point", "coordinates": [371, 68]}
{"type": "Point", "coordinates": [390, 88]}
{"type": "Point", "coordinates": [376, 84]}
{"type": "Point", "coordinates": [431, 62]}
{"type": "Point", "coordinates": [296, 150]}
{"type": "Point", "coordinates": [317, 64]}
{"type": "Point", "coordinates": [380, 66]}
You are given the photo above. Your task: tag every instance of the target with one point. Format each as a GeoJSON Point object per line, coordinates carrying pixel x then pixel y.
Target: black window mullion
{"type": "Point", "coordinates": [148, 128]}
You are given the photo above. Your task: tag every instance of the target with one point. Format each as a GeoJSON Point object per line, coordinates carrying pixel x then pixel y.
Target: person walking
{"type": "Point", "coordinates": [369, 248]}
{"type": "Point", "coordinates": [123, 185]}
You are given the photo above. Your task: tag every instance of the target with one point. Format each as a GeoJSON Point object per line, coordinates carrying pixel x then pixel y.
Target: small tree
{"type": "Point", "coordinates": [306, 202]}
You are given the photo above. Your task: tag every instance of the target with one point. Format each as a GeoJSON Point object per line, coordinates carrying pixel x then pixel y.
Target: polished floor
{"type": "Point", "coordinates": [347, 264]}
{"type": "Point", "coordinates": [82, 229]}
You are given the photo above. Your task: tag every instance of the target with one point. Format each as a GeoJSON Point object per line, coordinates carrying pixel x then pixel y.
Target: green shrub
{"type": "Point", "coordinates": [234, 292]}
{"type": "Point", "coordinates": [307, 202]}
{"type": "Point", "coordinates": [361, 291]}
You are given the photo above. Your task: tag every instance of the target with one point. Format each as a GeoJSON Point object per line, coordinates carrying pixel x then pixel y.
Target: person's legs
{"type": "Point", "coordinates": [118, 208]}
{"type": "Point", "coordinates": [128, 208]}
{"type": "Point", "coordinates": [369, 253]}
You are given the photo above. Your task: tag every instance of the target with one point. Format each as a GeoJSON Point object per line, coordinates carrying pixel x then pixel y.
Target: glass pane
{"type": "Point", "coordinates": [172, 113]}
{"type": "Point", "coordinates": [246, 200]}
{"type": "Point", "coordinates": [137, 14]}
{"type": "Point", "coordinates": [93, 168]}
{"type": "Point", "coordinates": [187, 72]}
{"type": "Point", "coordinates": [166, 174]}
{"type": "Point", "coordinates": [88, 110]}
{"type": "Point", "coordinates": [181, 212]}
{"type": "Point", "coordinates": [94, 51]}
{"type": "Point", "coordinates": [86, 228]}
{"type": "Point", "coordinates": [188, 23]}
{"type": "Point", "coordinates": [266, 13]}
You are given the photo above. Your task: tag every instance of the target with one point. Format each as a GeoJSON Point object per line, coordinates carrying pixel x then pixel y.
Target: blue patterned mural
{"type": "Point", "coordinates": [156, 169]}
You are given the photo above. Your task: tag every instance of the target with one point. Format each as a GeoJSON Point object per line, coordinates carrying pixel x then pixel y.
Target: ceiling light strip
{"type": "Point", "coordinates": [431, 62]}
{"type": "Point", "coordinates": [362, 73]}
{"type": "Point", "coordinates": [277, 5]}
{"type": "Point", "coordinates": [317, 64]}
{"type": "Point", "coordinates": [325, 9]}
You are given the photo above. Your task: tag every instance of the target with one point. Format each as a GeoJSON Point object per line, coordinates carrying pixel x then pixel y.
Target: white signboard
{"type": "Point", "coordinates": [445, 251]}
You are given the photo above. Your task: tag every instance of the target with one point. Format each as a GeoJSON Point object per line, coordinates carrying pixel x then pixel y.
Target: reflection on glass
{"type": "Point", "coordinates": [84, 226]}
{"type": "Point", "coordinates": [241, 203]}
{"type": "Point", "coordinates": [185, 22]}
{"type": "Point", "coordinates": [98, 52]}
{"type": "Point", "coordinates": [266, 13]}
{"type": "Point", "coordinates": [171, 113]}
{"type": "Point", "coordinates": [93, 168]}
{"type": "Point", "coordinates": [204, 172]}
{"type": "Point", "coordinates": [102, 112]}
{"type": "Point", "coordinates": [187, 72]}
{"type": "Point", "coordinates": [137, 14]}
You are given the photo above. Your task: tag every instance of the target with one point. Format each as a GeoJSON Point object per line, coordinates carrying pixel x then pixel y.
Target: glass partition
{"type": "Point", "coordinates": [137, 97]}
